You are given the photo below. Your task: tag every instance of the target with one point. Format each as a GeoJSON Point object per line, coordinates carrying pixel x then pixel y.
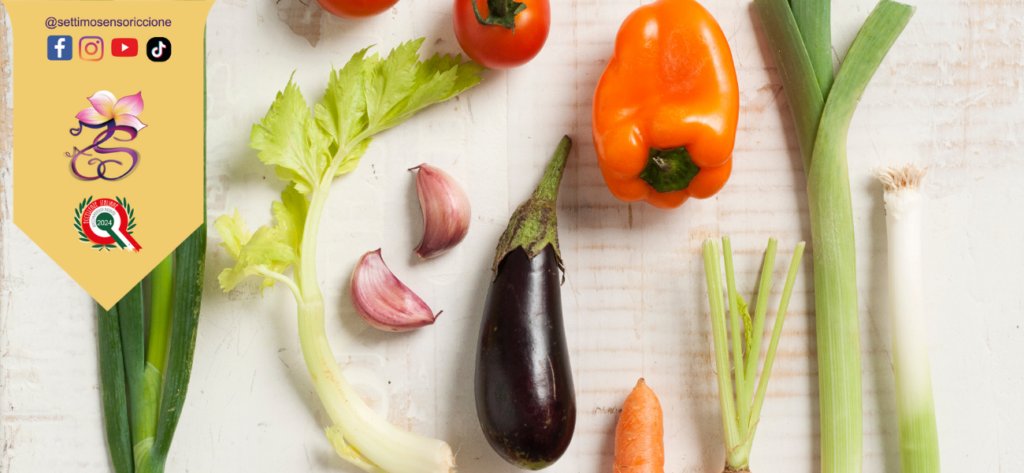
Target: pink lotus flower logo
{"type": "Point", "coordinates": [105, 107]}
{"type": "Point", "coordinates": [112, 115]}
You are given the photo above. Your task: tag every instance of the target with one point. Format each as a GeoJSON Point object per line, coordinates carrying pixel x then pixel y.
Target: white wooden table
{"type": "Point", "coordinates": [949, 96]}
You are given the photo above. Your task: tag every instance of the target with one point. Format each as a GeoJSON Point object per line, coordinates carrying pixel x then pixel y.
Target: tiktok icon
{"type": "Point", "coordinates": [158, 49]}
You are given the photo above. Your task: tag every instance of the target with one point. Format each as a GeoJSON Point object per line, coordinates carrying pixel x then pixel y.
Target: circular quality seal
{"type": "Point", "coordinates": [106, 223]}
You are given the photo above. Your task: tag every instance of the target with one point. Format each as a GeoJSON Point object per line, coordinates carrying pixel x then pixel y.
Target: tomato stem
{"type": "Point", "coordinates": [501, 13]}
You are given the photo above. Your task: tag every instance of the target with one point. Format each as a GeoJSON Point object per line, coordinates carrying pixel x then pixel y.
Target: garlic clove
{"type": "Point", "coordinates": [383, 301]}
{"type": "Point", "coordinates": [446, 211]}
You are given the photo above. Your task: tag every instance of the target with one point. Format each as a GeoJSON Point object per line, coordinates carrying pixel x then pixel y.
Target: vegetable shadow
{"type": "Point", "coordinates": [414, 215]}
{"type": "Point", "coordinates": [807, 266]}
{"type": "Point", "coordinates": [242, 170]}
{"type": "Point", "coordinates": [471, 447]}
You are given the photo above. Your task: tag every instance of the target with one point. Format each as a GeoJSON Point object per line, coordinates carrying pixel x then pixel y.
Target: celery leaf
{"type": "Point", "coordinates": [342, 113]}
{"type": "Point", "coordinates": [748, 331]}
{"type": "Point", "coordinates": [252, 252]}
{"type": "Point", "coordinates": [392, 80]}
{"type": "Point", "coordinates": [290, 214]}
{"type": "Point", "coordinates": [234, 232]}
{"type": "Point", "coordinates": [366, 96]}
{"type": "Point", "coordinates": [350, 162]}
{"type": "Point", "coordinates": [288, 138]}
{"type": "Point", "coordinates": [370, 94]}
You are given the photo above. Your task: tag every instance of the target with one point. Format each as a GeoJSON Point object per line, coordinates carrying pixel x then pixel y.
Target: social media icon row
{"type": "Point", "coordinates": [90, 48]}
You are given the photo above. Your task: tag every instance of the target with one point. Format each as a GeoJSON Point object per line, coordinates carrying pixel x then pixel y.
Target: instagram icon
{"type": "Point", "coordinates": [90, 48]}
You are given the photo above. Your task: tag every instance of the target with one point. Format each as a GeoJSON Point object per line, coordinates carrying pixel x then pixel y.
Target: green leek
{"type": "Point", "coordinates": [112, 387]}
{"type": "Point", "coordinates": [822, 133]}
{"type": "Point", "coordinates": [142, 414]}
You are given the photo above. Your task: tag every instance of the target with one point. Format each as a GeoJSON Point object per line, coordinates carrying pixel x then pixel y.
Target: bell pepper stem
{"type": "Point", "coordinates": [669, 170]}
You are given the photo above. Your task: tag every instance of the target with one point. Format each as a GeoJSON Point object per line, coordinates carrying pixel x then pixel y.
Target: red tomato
{"type": "Point", "coordinates": [498, 47]}
{"type": "Point", "coordinates": [356, 8]}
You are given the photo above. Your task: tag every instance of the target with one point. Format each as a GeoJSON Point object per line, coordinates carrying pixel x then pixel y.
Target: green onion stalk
{"type": "Point", "coordinates": [144, 381]}
{"type": "Point", "coordinates": [915, 408]}
{"type": "Point", "coordinates": [741, 412]}
{"type": "Point", "coordinates": [798, 35]}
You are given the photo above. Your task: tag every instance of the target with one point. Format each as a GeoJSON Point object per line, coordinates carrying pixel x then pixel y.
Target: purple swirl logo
{"type": "Point", "coordinates": [111, 116]}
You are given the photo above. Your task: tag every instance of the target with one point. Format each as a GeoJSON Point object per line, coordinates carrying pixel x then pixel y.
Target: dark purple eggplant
{"type": "Point", "coordinates": [524, 393]}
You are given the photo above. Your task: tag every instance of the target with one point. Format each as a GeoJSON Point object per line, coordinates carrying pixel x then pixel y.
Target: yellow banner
{"type": "Point", "coordinates": [108, 134]}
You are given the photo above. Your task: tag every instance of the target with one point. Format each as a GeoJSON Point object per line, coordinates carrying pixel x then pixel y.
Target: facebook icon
{"type": "Point", "coordinates": [58, 48]}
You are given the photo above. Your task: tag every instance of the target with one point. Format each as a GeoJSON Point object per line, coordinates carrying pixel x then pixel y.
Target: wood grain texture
{"type": "Point", "coordinates": [950, 96]}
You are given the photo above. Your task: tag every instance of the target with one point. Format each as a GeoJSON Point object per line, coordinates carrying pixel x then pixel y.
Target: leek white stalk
{"type": "Point", "coordinates": [919, 443]}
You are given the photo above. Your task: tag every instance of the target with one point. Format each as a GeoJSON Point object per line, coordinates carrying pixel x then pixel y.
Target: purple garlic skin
{"type": "Point", "coordinates": [446, 211]}
{"type": "Point", "coordinates": [383, 301]}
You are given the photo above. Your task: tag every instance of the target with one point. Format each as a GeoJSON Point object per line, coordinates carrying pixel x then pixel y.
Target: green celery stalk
{"type": "Point", "coordinates": [713, 276]}
{"type": "Point", "coordinates": [741, 425]}
{"type": "Point", "coordinates": [763, 291]}
{"type": "Point", "coordinates": [736, 329]}
{"type": "Point", "coordinates": [822, 133]}
{"type": "Point", "coordinates": [780, 317]}
{"type": "Point", "coordinates": [115, 406]}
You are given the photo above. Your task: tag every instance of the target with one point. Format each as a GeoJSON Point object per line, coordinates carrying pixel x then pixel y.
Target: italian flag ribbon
{"type": "Point", "coordinates": [105, 222]}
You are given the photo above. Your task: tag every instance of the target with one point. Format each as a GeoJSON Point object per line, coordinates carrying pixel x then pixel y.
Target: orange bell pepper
{"type": "Point", "coordinates": [666, 107]}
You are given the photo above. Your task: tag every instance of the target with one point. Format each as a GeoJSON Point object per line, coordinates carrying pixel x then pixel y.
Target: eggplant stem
{"type": "Point", "coordinates": [534, 224]}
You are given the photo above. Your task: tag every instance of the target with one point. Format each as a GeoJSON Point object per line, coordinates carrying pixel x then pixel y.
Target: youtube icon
{"type": "Point", "coordinates": [124, 47]}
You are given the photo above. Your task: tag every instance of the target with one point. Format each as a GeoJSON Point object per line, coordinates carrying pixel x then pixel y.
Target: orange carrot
{"type": "Point", "coordinates": [639, 435]}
